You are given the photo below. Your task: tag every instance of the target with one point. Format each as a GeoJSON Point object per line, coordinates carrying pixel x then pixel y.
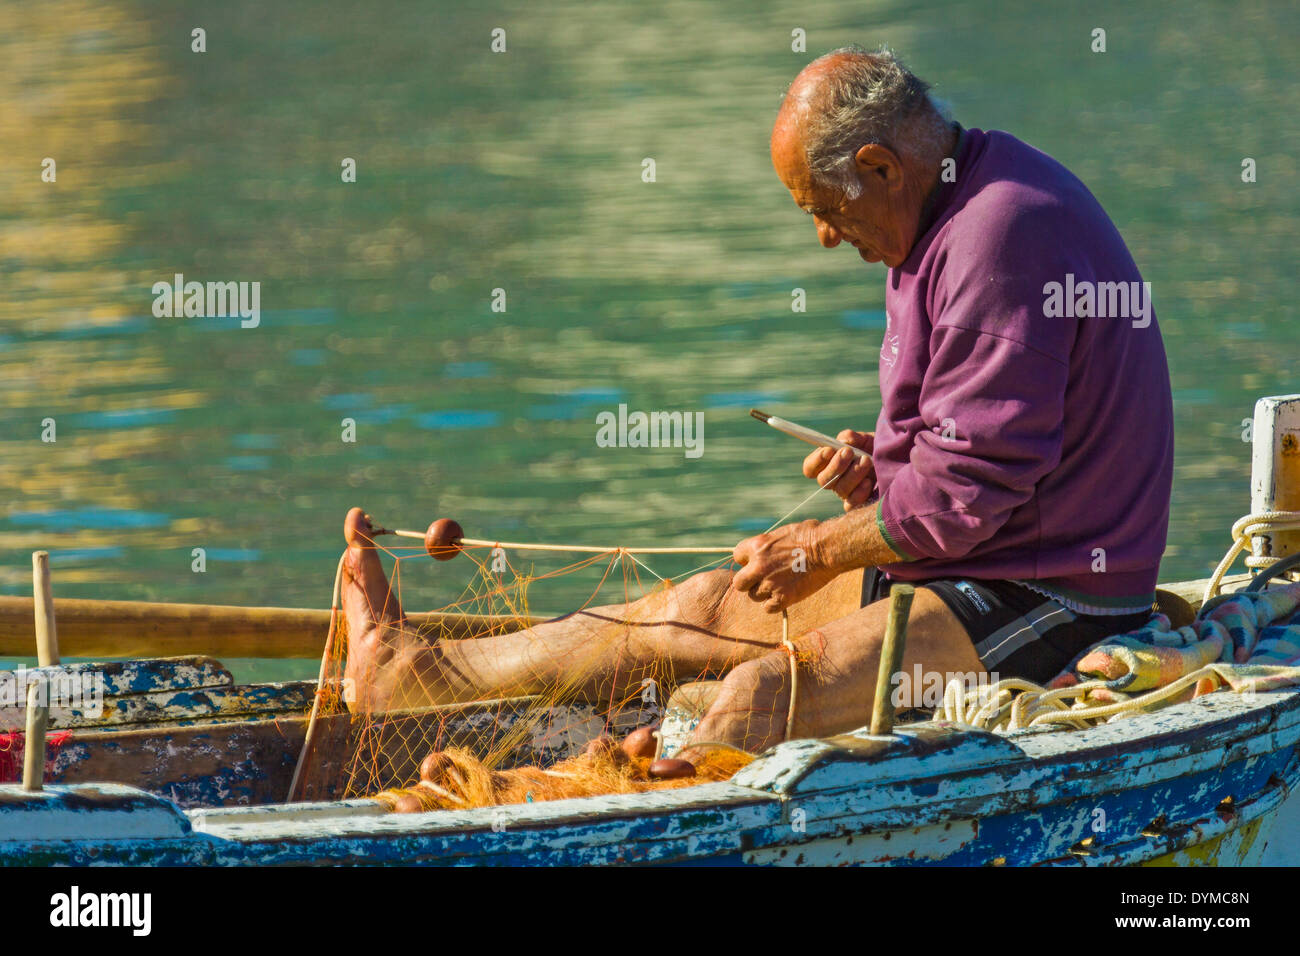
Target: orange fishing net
{"type": "Point", "coordinates": [554, 737]}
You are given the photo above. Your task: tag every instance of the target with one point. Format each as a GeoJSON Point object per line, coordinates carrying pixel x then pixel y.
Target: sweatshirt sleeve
{"type": "Point", "coordinates": [992, 411]}
{"type": "Point", "coordinates": [991, 406]}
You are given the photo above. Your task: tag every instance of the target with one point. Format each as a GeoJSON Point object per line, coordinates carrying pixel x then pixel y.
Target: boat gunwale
{"type": "Point", "coordinates": [1236, 728]}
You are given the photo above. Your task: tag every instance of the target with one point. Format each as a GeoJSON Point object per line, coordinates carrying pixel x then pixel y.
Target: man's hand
{"type": "Point", "coordinates": [781, 567]}
{"type": "Point", "coordinates": [858, 483]}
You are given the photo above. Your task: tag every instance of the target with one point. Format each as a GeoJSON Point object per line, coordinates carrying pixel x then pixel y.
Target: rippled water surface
{"type": "Point", "coordinates": [523, 171]}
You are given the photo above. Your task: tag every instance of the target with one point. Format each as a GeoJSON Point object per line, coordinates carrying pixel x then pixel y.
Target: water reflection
{"type": "Point", "coordinates": [524, 172]}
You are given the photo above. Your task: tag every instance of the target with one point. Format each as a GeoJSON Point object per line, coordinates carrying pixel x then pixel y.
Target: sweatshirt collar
{"type": "Point", "coordinates": [941, 197]}
{"type": "Point", "coordinates": [943, 191]}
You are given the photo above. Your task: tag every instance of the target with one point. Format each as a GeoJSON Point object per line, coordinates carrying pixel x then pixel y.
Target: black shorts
{"type": "Point", "coordinates": [1016, 631]}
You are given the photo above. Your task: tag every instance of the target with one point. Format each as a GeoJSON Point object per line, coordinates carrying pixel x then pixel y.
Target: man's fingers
{"type": "Point", "coordinates": [747, 578]}
{"type": "Point", "coordinates": [864, 440]}
{"type": "Point", "coordinates": [861, 493]}
{"type": "Point", "coordinates": [743, 551]}
{"type": "Point", "coordinates": [816, 461]}
{"type": "Point", "coordinates": [863, 487]}
{"type": "Point", "coordinates": [859, 482]}
{"type": "Point", "coordinates": [838, 463]}
{"type": "Point", "coordinates": [858, 474]}
{"type": "Point", "coordinates": [853, 473]}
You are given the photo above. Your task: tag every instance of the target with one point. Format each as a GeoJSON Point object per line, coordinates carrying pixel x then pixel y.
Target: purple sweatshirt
{"type": "Point", "coordinates": [1026, 427]}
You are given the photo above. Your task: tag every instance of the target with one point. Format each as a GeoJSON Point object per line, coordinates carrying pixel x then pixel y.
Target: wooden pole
{"type": "Point", "coordinates": [47, 654]}
{"type": "Point", "coordinates": [146, 629]}
{"type": "Point", "coordinates": [572, 548]}
{"type": "Point", "coordinates": [891, 658]}
{"type": "Point", "coordinates": [47, 636]}
{"type": "Point", "coordinates": [38, 718]}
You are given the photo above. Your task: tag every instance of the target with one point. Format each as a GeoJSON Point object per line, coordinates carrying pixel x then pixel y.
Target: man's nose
{"type": "Point", "coordinates": [827, 234]}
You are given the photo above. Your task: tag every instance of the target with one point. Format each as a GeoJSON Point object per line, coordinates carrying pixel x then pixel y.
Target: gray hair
{"type": "Point", "coordinates": [870, 98]}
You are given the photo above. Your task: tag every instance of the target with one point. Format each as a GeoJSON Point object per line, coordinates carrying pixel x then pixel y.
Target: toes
{"type": "Point", "coordinates": [357, 529]}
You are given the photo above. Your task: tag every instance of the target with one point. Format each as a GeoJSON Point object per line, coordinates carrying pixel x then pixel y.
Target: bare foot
{"type": "Point", "coordinates": [377, 628]}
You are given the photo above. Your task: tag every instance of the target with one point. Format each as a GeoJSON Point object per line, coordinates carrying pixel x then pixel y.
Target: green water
{"type": "Point", "coordinates": [523, 171]}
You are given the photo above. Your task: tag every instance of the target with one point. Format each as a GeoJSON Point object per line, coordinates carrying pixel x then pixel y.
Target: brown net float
{"type": "Point", "coordinates": [442, 540]}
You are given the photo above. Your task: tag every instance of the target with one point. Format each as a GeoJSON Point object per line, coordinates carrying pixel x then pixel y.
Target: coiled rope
{"type": "Point", "coordinates": [998, 707]}
{"type": "Point", "coordinates": [1243, 529]}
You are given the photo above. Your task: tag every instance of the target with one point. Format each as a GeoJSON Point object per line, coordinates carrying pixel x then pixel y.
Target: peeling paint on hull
{"type": "Point", "coordinates": [1196, 783]}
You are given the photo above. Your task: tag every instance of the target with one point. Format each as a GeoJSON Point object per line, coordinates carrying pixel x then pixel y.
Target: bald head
{"type": "Point", "coordinates": [851, 97]}
{"type": "Point", "coordinates": [807, 93]}
{"type": "Point", "coordinates": [812, 83]}
{"type": "Point", "coordinates": [858, 143]}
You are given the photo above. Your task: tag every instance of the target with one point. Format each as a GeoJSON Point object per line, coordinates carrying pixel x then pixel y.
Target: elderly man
{"type": "Point", "coordinates": [1019, 472]}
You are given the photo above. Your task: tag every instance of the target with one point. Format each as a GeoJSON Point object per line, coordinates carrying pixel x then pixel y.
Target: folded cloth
{"type": "Point", "coordinates": [1249, 641]}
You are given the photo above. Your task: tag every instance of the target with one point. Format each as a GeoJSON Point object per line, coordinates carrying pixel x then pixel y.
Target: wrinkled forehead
{"type": "Point", "coordinates": [789, 157]}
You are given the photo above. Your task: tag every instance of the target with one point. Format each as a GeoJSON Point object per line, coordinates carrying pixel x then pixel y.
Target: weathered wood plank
{"type": "Point", "coordinates": [189, 705]}
{"type": "Point", "coordinates": [145, 629]}
{"type": "Point", "coordinates": [74, 690]}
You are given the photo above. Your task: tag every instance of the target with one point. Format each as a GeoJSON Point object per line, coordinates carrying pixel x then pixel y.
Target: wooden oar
{"type": "Point", "coordinates": [104, 629]}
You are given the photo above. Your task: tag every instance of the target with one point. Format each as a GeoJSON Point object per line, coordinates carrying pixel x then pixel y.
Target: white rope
{"type": "Point", "coordinates": [794, 675]}
{"type": "Point", "coordinates": [1015, 704]}
{"type": "Point", "coordinates": [1243, 529]}
{"type": "Point", "coordinates": [642, 564]}
{"type": "Point", "coordinates": [996, 707]}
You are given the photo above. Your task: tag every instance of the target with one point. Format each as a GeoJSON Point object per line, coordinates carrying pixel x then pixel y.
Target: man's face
{"type": "Point", "coordinates": [878, 223]}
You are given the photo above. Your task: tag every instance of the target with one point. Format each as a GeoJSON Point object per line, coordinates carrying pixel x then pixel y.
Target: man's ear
{"type": "Point", "coordinates": [877, 160]}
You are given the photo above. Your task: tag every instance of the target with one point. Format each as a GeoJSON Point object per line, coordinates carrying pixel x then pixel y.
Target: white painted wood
{"type": "Point", "coordinates": [627, 808]}
{"type": "Point", "coordinates": [205, 818]}
{"type": "Point", "coordinates": [87, 811]}
{"type": "Point", "coordinates": [1275, 471]}
{"type": "Point", "coordinates": [934, 842]}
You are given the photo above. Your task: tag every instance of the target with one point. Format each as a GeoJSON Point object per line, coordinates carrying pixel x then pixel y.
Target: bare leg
{"type": "Point", "coordinates": [698, 625]}
{"type": "Point", "coordinates": [838, 679]}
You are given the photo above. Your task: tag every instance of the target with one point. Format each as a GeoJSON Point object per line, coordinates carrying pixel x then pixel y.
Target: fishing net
{"type": "Point", "coordinates": [560, 731]}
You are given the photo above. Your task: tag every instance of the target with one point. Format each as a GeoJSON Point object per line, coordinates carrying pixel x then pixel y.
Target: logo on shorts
{"type": "Point", "coordinates": [968, 589]}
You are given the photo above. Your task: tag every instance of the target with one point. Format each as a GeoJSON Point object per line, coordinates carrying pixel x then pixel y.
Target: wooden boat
{"type": "Point", "coordinates": [187, 768]}
{"type": "Point", "coordinates": [193, 775]}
